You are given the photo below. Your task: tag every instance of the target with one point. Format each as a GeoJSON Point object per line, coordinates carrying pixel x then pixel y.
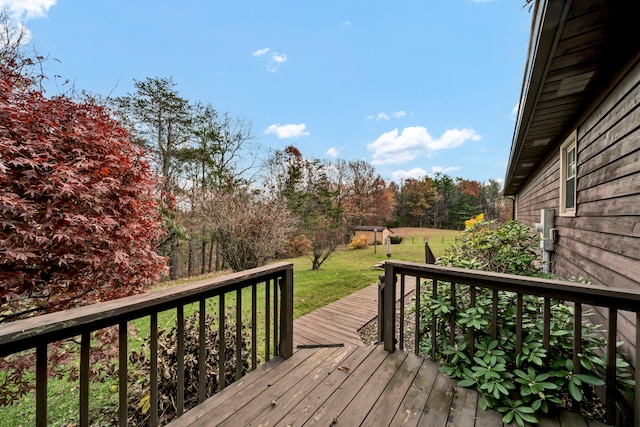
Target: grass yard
{"type": "Point", "coordinates": [345, 272]}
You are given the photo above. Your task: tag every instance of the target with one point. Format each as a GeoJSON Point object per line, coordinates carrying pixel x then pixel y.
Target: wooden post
{"type": "Point", "coordinates": [380, 308]}
{"type": "Point", "coordinates": [636, 409]}
{"type": "Point", "coordinates": [286, 315]}
{"type": "Point", "coordinates": [389, 308]}
{"type": "Point", "coordinates": [41, 385]}
{"type": "Point", "coordinates": [375, 241]}
{"type": "Point", "coordinates": [428, 255]}
{"type": "Point", "coordinates": [388, 247]}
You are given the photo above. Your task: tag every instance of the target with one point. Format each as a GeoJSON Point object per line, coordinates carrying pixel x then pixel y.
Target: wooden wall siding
{"type": "Point", "coordinates": [602, 242]}
{"type": "Point", "coordinates": [541, 192]}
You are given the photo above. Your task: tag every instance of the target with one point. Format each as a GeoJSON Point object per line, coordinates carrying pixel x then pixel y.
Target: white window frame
{"type": "Point", "coordinates": [569, 145]}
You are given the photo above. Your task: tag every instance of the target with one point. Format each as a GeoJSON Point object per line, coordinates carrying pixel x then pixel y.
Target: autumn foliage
{"type": "Point", "coordinates": [78, 215]}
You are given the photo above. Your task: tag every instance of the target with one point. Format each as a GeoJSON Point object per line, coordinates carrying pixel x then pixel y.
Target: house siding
{"type": "Point", "coordinates": [602, 242]}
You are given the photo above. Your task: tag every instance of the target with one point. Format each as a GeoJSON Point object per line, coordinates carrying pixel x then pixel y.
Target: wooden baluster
{"type": "Point", "coordinates": [276, 343]}
{"type": "Point", "coordinates": [254, 326]}
{"type": "Point", "coordinates": [519, 324]}
{"type": "Point", "coordinates": [434, 320]}
{"type": "Point", "coordinates": [222, 346]}
{"type": "Point", "coordinates": [122, 374]}
{"type": "Point", "coordinates": [494, 315]}
{"type": "Point", "coordinates": [85, 347]}
{"type": "Point", "coordinates": [286, 315]}
{"type": "Point", "coordinates": [637, 373]}
{"type": "Point", "coordinates": [612, 335]}
{"type": "Point", "coordinates": [202, 352]}
{"type": "Point", "coordinates": [577, 336]}
{"type": "Point", "coordinates": [452, 316]}
{"type": "Point", "coordinates": [472, 333]}
{"type": "Point", "coordinates": [401, 340]}
{"type": "Point", "coordinates": [180, 355]}
{"type": "Point", "coordinates": [389, 308]}
{"type": "Point", "coordinates": [238, 333]}
{"type": "Point", "coordinates": [153, 374]}
{"type": "Point", "coordinates": [381, 321]}
{"type": "Point", "coordinates": [41, 385]}
{"type": "Point", "coordinates": [417, 333]}
{"type": "Point", "coordinates": [267, 321]}
{"type": "Point", "coordinates": [546, 324]}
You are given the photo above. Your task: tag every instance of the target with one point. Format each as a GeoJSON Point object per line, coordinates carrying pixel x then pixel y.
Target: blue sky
{"type": "Point", "coordinates": [413, 87]}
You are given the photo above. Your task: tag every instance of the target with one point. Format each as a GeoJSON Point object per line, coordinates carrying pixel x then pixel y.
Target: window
{"type": "Point", "coordinates": [568, 154]}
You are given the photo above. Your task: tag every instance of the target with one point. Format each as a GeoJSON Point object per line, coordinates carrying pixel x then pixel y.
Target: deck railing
{"type": "Point", "coordinates": [612, 300]}
{"type": "Point", "coordinates": [274, 282]}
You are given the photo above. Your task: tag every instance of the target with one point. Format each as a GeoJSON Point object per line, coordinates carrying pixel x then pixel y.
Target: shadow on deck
{"type": "Point", "coordinates": [350, 385]}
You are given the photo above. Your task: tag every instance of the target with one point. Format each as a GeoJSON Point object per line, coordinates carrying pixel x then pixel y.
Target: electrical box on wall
{"type": "Point", "coordinates": [548, 235]}
{"type": "Point", "coordinates": [546, 229]}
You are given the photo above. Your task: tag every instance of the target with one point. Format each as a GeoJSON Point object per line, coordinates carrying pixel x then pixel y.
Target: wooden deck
{"type": "Point", "coordinates": [351, 385]}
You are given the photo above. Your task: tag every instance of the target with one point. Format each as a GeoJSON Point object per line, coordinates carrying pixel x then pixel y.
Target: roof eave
{"type": "Point", "coordinates": [549, 16]}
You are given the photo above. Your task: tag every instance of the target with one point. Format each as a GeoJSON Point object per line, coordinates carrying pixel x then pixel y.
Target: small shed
{"type": "Point", "coordinates": [373, 233]}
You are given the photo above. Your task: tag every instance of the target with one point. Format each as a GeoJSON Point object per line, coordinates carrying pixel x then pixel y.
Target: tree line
{"type": "Point", "coordinates": [209, 165]}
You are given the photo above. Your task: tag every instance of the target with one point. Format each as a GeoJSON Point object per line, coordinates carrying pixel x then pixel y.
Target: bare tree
{"type": "Point", "coordinates": [251, 228]}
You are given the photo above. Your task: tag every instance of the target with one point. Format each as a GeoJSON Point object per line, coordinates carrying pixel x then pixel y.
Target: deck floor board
{"type": "Point", "coordinates": [351, 385]}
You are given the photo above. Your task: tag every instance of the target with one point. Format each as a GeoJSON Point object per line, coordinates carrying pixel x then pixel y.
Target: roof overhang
{"type": "Point", "coordinates": [575, 49]}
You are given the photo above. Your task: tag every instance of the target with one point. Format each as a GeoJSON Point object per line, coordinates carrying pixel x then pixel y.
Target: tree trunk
{"type": "Point", "coordinates": [211, 254]}
{"type": "Point", "coordinates": [190, 259]}
{"type": "Point", "coordinates": [203, 254]}
{"type": "Point", "coordinates": [218, 258]}
{"type": "Point", "coordinates": [173, 258]}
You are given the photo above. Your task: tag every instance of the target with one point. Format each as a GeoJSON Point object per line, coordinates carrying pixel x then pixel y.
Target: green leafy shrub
{"type": "Point", "coordinates": [140, 391]}
{"type": "Point", "coordinates": [395, 240]}
{"type": "Point", "coordinates": [517, 385]}
{"type": "Point", "coordinates": [509, 247]}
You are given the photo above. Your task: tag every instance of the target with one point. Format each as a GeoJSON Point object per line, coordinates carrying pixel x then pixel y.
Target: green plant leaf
{"type": "Point", "coordinates": [575, 391]}
{"type": "Point", "coordinates": [466, 383]}
{"type": "Point", "coordinates": [589, 379]}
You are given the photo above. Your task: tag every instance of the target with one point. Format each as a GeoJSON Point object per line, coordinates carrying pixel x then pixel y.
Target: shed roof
{"type": "Point", "coordinates": [370, 228]}
{"type": "Point", "coordinates": [575, 50]}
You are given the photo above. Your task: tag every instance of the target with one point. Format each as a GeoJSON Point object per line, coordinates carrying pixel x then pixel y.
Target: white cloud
{"type": "Point", "coordinates": [385, 116]}
{"type": "Point", "coordinates": [440, 169]}
{"type": "Point", "coordinates": [514, 111]}
{"type": "Point", "coordinates": [260, 52]}
{"type": "Point", "coordinates": [333, 152]}
{"type": "Point", "coordinates": [394, 147]}
{"type": "Point", "coordinates": [415, 173]}
{"type": "Point", "coordinates": [26, 9]}
{"type": "Point", "coordinates": [276, 57]}
{"type": "Point", "coordinates": [20, 11]}
{"type": "Point", "coordinates": [346, 23]}
{"type": "Point", "coordinates": [288, 131]}
{"type": "Point", "coordinates": [273, 61]}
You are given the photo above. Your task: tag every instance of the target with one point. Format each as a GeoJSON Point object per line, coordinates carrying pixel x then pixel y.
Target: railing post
{"type": "Point", "coordinates": [389, 308]}
{"type": "Point", "coordinates": [286, 315]}
{"type": "Point", "coordinates": [636, 407]}
{"type": "Point", "coordinates": [41, 385]}
{"type": "Point", "coordinates": [429, 258]}
{"type": "Point", "coordinates": [381, 308]}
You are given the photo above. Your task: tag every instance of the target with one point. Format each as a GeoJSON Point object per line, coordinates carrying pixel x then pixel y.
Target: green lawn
{"type": "Point", "coordinates": [345, 272]}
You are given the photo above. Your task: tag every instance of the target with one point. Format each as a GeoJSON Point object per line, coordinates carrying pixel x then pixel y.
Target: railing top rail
{"type": "Point", "coordinates": [24, 334]}
{"type": "Point", "coordinates": [611, 297]}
